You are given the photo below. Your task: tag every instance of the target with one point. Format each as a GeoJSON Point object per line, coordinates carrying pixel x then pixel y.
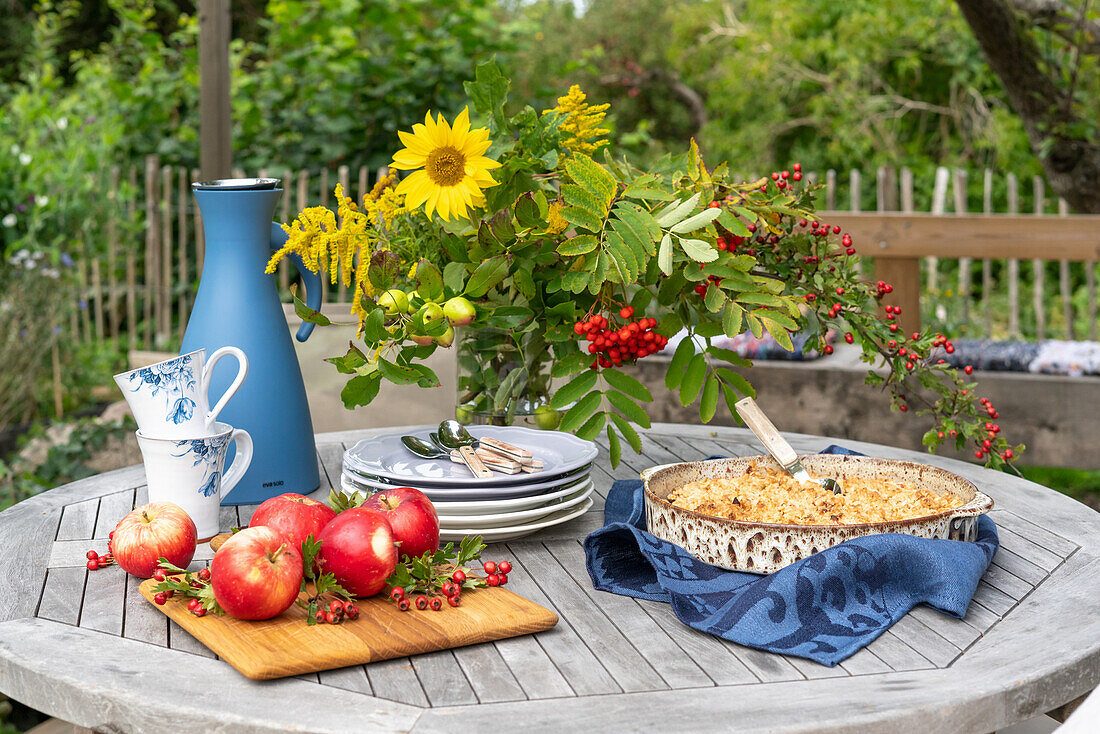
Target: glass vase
{"type": "Point", "coordinates": [504, 379]}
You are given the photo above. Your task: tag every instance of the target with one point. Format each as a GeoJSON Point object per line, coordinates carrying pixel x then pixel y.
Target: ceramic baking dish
{"type": "Point", "coordinates": [766, 547]}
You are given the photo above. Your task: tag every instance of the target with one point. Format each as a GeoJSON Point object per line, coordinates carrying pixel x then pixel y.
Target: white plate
{"type": "Point", "coordinates": [504, 519]}
{"type": "Point", "coordinates": [499, 535]}
{"type": "Point", "coordinates": [476, 507]}
{"type": "Point", "coordinates": [467, 494]}
{"type": "Point", "coordinates": [387, 459]}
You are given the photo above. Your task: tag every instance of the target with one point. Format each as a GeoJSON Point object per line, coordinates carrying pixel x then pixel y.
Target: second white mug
{"type": "Point", "coordinates": [169, 399]}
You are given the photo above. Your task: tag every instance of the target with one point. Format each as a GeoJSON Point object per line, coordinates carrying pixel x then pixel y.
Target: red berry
{"type": "Point", "coordinates": [336, 606]}
{"type": "Point", "coordinates": [351, 611]}
{"type": "Point", "coordinates": [504, 567]}
{"type": "Point", "coordinates": [160, 574]}
{"type": "Point", "coordinates": [200, 612]}
{"type": "Point", "coordinates": [204, 574]}
{"type": "Point", "coordinates": [403, 605]}
{"type": "Point", "coordinates": [796, 177]}
{"type": "Point", "coordinates": [503, 578]}
{"type": "Point", "coordinates": [968, 369]}
{"type": "Point", "coordinates": [397, 593]}
{"type": "Point", "coordinates": [93, 565]}
{"type": "Point", "coordinates": [903, 408]}
{"type": "Point", "coordinates": [909, 365]}
{"type": "Point", "coordinates": [421, 602]}
{"type": "Point", "coordinates": [626, 312]}
{"type": "Point", "coordinates": [849, 338]}
{"type": "Point", "coordinates": [939, 434]}
{"type": "Point", "coordinates": [449, 588]}
{"type": "Point", "coordinates": [987, 443]}
{"type": "Point", "coordinates": [828, 349]}
{"type": "Point", "coordinates": [458, 577]}
{"type": "Point", "coordinates": [170, 593]}
{"type": "Point", "coordinates": [436, 604]}
{"type": "Point", "coordinates": [454, 601]}
{"type": "Point", "coordinates": [797, 166]}
{"type": "Point", "coordinates": [493, 580]}
{"type": "Point", "coordinates": [331, 618]}
{"type": "Point", "coordinates": [160, 598]}
{"type": "Point", "coordinates": [319, 616]}
{"type": "Point", "coordinates": [839, 291]}
{"type": "Point", "coordinates": [1008, 453]}
{"type": "Point", "coordinates": [490, 567]}
{"type": "Point", "coordinates": [193, 604]}
{"type": "Point", "coordinates": [91, 555]}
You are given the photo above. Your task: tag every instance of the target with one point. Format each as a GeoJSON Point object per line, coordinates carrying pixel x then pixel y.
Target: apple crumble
{"type": "Point", "coordinates": [766, 495]}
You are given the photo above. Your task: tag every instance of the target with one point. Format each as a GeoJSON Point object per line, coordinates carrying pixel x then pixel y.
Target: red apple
{"type": "Point", "coordinates": [256, 574]}
{"type": "Point", "coordinates": [412, 519]}
{"type": "Point", "coordinates": [358, 549]}
{"type": "Point", "coordinates": [293, 516]}
{"type": "Point", "coordinates": [153, 531]}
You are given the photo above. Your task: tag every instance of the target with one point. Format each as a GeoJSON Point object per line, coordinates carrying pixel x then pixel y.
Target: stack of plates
{"type": "Point", "coordinates": [506, 507]}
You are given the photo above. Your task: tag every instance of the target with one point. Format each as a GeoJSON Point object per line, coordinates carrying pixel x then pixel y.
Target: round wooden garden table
{"type": "Point", "coordinates": [85, 647]}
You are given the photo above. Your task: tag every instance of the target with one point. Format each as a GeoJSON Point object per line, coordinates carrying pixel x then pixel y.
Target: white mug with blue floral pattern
{"type": "Point", "coordinates": [188, 472]}
{"type": "Point", "coordinates": [169, 399]}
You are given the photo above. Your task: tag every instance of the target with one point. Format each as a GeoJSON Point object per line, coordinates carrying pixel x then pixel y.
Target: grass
{"type": "Point", "coordinates": [1081, 484]}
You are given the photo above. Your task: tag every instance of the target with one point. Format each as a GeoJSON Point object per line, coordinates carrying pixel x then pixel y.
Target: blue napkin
{"type": "Point", "coordinates": [825, 607]}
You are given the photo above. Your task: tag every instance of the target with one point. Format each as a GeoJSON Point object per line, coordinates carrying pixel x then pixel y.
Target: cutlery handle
{"type": "Point", "coordinates": [474, 462]}
{"type": "Point", "coordinates": [768, 434]}
{"type": "Point", "coordinates": [505, 448]}
{"type": "Point", "coordinates": [509, 467]}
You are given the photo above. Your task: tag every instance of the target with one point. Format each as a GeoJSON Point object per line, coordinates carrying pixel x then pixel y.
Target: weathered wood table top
{"type": "Point", "coordinates": [85, 647]}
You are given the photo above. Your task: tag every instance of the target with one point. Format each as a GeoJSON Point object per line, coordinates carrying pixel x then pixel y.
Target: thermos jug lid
{"type": "Point", "coordinates": [237, 184]}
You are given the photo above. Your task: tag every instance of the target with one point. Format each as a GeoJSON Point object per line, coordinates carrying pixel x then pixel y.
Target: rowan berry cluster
{"type": "Point", "coordinates": [627, 343]}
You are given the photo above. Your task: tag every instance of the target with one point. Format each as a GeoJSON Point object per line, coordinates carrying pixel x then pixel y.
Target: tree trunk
{"type": "Point", "coordinates": [1071, 163]}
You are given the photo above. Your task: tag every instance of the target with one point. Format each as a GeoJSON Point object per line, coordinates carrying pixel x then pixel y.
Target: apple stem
{"type": "Point", "coordinates": [144, 516]}
{"type": "Point", "coordinates": [278, 552]}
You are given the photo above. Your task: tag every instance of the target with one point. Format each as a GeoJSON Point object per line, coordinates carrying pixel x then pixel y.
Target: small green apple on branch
{"type": "Point", "coordinates": [566, 265]}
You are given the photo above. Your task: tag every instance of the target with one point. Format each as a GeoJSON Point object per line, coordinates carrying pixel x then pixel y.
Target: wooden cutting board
{"type": "Point", "coordinates": [286, 645]}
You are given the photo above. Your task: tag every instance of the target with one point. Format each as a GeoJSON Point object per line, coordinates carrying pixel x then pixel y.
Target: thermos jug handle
{"type": "Point", "coordinates": [311, 280]}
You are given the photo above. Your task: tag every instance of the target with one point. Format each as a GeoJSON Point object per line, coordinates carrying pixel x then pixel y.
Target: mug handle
{"type": "Point", "coordinates": [241, 461]}
{"type": "Point", "coordinates": [208, 371]}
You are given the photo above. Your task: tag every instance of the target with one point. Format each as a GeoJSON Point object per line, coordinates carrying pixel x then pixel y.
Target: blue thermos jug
{"type": "Point", "coordinates": [238, 305]}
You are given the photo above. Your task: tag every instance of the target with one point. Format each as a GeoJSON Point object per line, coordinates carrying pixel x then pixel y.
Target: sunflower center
{"type": "Point", "coordinates": [445, 166]}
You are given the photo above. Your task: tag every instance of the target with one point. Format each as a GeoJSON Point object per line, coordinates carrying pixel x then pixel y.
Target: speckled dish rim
{"type": "Point", "coordinates": [978, 504]}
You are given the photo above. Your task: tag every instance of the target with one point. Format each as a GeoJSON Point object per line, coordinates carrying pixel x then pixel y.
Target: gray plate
{"type": "Point", "coordinates": [385, 458]}
{"type": "Point", "coordinates": [351, 482]}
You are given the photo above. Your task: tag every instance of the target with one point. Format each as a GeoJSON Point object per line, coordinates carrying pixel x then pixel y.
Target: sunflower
{"type": "Point", "coordinates": [454, 170]}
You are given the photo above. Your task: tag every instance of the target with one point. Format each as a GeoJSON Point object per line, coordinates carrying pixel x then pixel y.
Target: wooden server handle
{"type": "Point", "coordinates": [474, 462]}
{"type": "Point", "coordinates": [768, 434]}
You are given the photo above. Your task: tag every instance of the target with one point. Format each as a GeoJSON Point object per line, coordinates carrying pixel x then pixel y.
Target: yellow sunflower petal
{"type": "Point", "coordinates": [416, 189]}
{"type": "Point", "coordinates": [406, 161]}
{"type": "Point", "coordinates": [461, 128]}
{"type": "Point", "coordinates": [415, 143]}
{"type": "Point", "coordinates": [433, 201]}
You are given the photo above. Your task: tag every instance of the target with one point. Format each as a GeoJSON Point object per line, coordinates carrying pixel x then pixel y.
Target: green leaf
{"type": "Point", "coordinates": [698, 250]}
{"type": "Point", "coordinates": [307, 314]}
{"type": "Point", "coordinates": [637, 227]}
{"type": "Point", "coordinates": [714, 299]}
{"type": "Point", "coordinates": [510, 317]}
{"type": "Point", "coordinates": [524, 282]}
{"type": "Point", "coordinates": [628, 432]}
{"type": "Point", "coordinates": [678, 212]}
{"type": "Point", "coordinates": [681, 358]}
{"type": "Point", "coordinates": [383, 270]}
{"type": "Point", "coordinates": [621, 259]}
{"type": "Point", "coordinates": [570, 364]}
{"type": "Point", "coordinates": [630, 385]}
{"type": "Point", "coordinates": [348, 364]}
{"type": "Point", "coordinates": [614, 448]}
{"type": "Point", "coordinates": [454, 276]}
{"type": "Point", "coordinates": [664, 255]}
{"type": "Point", "coordinates": [573, 389]}
{"type": "Point", "coordinates": [693, 379]}
{"type": "Point", "coordinates": [708, 404]}
{"type": "Point", "coordinates": [361, 390]}
{"type": "Point", "coordinates": [731, 319]}
{"type": "Point", "coordinates": [782, 336]}
{"type": "Point", "coordinates": [580, 411]}
{"type": "Point", "coordinates": [592, 426]}
{"type": "Point", "coordinates": [428, 378]}
{"type": "Point", "coordinates": [574, 195]}
{"type": "Point", "coordinates": [575, 281]}
{"type": "Point", "coordinates": [487, 275]}
{"type": "Point", "coordinates": [698, 221]}
{"type": "Point", "coordinates": [429, 281]}
{"type": "Point", "coordinates": [582, 218]}
{"type": "Point", "coordinates": [578, 245]}
{"type": "Point", "coordinates": [731, 401]}
{"type": "Point", "coordinates": [729, 356]}
{"type": "Point", "coordinates": [398, 374]}
{"type": "Point", "coordinates": [591, 176]}
{"type": "Point", "coordinates": [626, 405]}
{"type": "Point", "coordinates": [374, 326]}
{"type": "Point", "coordinates": [510, 387]}
{"type": "Point", "coordinates": [763, 299]}
{"type": "Point", "coordinates": [732, 223]}
{"type": "Point", "coordinates": [489, 91]}
{"type": "Point", "coordinates": [527, 212]}
{"type": "Point", "coordinates": [670, 324]}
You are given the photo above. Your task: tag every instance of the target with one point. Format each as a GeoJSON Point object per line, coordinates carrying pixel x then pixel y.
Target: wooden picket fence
{"type": "Point", "coordinates": [141, 296]}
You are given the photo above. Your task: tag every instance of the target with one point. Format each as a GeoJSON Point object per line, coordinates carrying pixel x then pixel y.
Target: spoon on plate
{"type": "Point", "coordinates": [422, 448]}
{"type": "Point", "coordinates": [453, 434]}
{"type": "Point", "coordinates": [776, 445]}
